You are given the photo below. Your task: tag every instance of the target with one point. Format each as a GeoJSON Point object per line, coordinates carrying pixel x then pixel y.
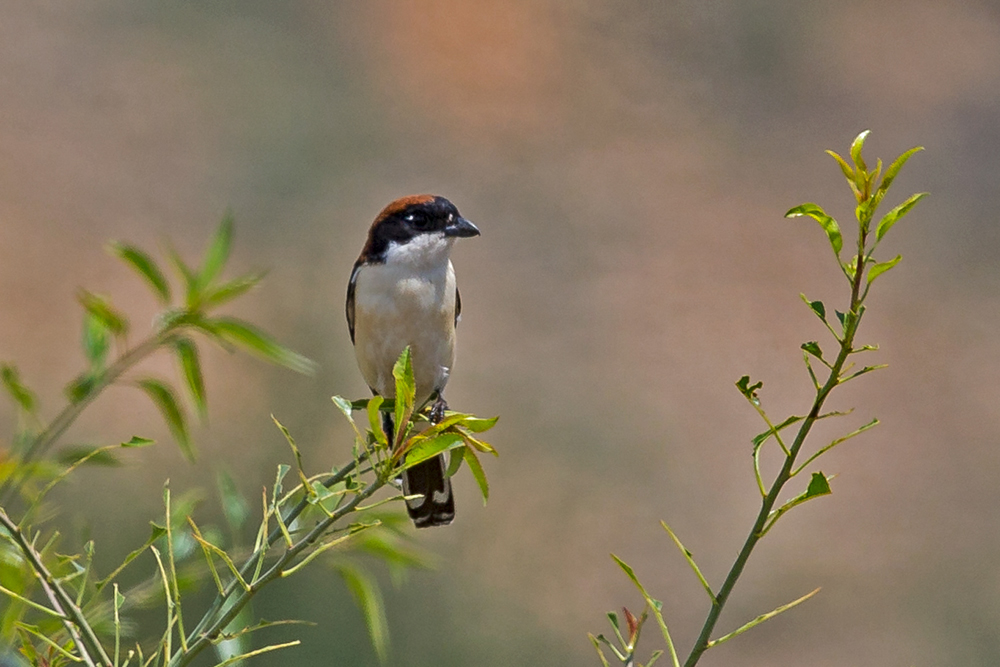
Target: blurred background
{"type": "Point", "coordinates": [629, 166]}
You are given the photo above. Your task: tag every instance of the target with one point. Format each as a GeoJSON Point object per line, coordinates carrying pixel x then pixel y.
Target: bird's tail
{"type": "Point", "coordinates": [430, 480]}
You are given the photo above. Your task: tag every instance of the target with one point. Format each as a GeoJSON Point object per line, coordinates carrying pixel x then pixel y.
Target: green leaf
{"type": "Point", "coordinates": [251, 339]}
{"type": "Point", "coordinates": [144, 265]}
{"type": "Point", "coordinates": [93, 455]}
{"type": "Point", "coordinates": [406, 390]}
{"type": "Point", "coordinates": [156, 532]}
{"type": "Point", "coordinates": [747, 389]}
{"type": "Point", "coordinates": [844, 167]}
{"type": "Point", "coordinates": [136, 441]}
{"type": "Point", "coordinates": [893, 171]}
{"type": "Point", "coordinates": [760, 619]}
{"type": "Point", "coordinates": [375, 421]}
{"type": "Point", "coordinates": [761, 438]}
{"type": "Point", "coordinates": [165, 400]}
{"type": "Point", "coordinates": [191, 288]}
{"type": "Point", "coordinates": [23, 396]}
{"type": "Point", "coordinates": [218, 252]}
{"type": "Point", "coordinates": [881, 267]}
{"type": "Point", "coordinates": [893, 216]}
{"type": "Point", "coordinates": [477, 425]}
{"type": "Point", "coordinates": [234, 506]}
{"type": "Point", "coordinates": [828, 224]}
{"type": "Point", "coordinates": [856, 147]}
{"type": "Point", "coordinates": [187, 355]}
{"type": "Point", "coordinates": [469, 455]}
{"type": "Point", "coordinates": [101, 308]}
{"type": "Point", "coordinates": [819, 485]}
{"type": "Point", "coordinates": [232, 289]}
{"type": "Point", "coordinates": [365, 591]}
{"type": "Point", "coordinates": [96, 340]}
{"type": "Point", "coordinates": [812, 347]}
{"type": "Point", "coordinates": [80, 387]}
{"type": "Point", "coordinates": [816, 306]}
{"type": "Point", "coordinates": [428, 448]}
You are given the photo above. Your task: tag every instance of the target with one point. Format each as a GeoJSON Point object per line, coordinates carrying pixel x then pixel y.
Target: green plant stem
{"type": "Point", "coordinates": [73, 619]}
{"type": "Point", "coordinates": [44, 440]}
{"type": "Point", "coordinates": [215, 619]}
{"type": "Point", "coordinates": [767, 504]}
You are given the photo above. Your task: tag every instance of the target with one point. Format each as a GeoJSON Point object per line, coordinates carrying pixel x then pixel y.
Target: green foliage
{"type": "Point", "coordinates": [860, 270]}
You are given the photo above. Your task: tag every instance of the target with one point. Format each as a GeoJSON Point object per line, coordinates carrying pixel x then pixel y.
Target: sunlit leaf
{"type": "Point", "coordinates": [856, 147]}
{"type": "Point", "coordinates": [893, 216]}
{"type": "Point", "coordinates": [893, 170]}
{"type": "Point", "coordinates": [165, 400]}
{"type": "Point", "coordinates": [469, 455]}
{"type": "Point", "coordinates": [402, 371]}
{"type": "Point", "coordinates": [136, 441]}
{"type": "Point", "coordinates": [878, 269]}
{"type": "Point", "coordinates": [145, 266]}
{"type": "Point", "coordinates": [428, 448]}
{"type": "Point", "coordinates": [816, 306]}
{"type": "Point", "coordinates": [828, 224]}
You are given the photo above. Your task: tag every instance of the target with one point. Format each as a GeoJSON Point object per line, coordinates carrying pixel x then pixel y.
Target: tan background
{"type": "Point", "coordinates": [628, 164]}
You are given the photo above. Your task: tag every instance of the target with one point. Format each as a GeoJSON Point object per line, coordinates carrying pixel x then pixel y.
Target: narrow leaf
{"type": "Point", "coordinates": [365, 591]}
{"type": "Point", "coordinates": [98, 456]}
{"type": "Point", "coordinates": [145, 266]}
{"type": "Point", "coordinates": [23, 396]}
{"type": "Point", "coordinates": [96, 340]}
{"type": "Point", "coordinates": [218, 251]}
{"type": "Point", "coordinates": [893, 216]}
{"type": "Point", "coordinates": [187, 355]}
{"type": "Point", "coordinates": [428, 448]}
{"type": "Point", "coordinates": [690, 559]}
{"type": "Point", "coordinates": [136, 441]}
{"type": "Point", "coordinates": [828, 224]}
{"type": "Point", "coordinates": [164, 399]}
{"type": "Point", "coordinates": [760, 619]}
{"type": "Point", "coordinates": [101, 308]}
{"type": "Point", "coordinates": [470, 458]}
{"type": "Point", "coordinates": [156, 532]}
{"type": "Point", "coordinates": [893, 170]}
{"type": "Point", "coordinates": [856, 147]}
{"type": "Point", "coordinates": [248, 337]}
{"type": "Point", "coordinates": [880, 268]}
{"type": "Point", "coordinates": [844, 167]}
{"type": "Point", "coordinates": [375, 421]}
{"type": "Point", "coordinates": [227, 291]}
{"type": "Point", "coordinates": [402, 371]}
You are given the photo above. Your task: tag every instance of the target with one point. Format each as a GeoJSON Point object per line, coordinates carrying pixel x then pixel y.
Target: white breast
{"type": "Point", "coordinates": [402, 303]}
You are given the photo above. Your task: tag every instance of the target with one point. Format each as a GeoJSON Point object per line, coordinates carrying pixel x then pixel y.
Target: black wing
{"type": "Point", "coordinates": [350, 299]}
{"type": "Point", "coordinates": [458, 308]}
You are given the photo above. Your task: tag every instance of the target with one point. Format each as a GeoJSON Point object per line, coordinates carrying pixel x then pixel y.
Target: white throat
{"type": "Point", "coordinates": [421, 253]}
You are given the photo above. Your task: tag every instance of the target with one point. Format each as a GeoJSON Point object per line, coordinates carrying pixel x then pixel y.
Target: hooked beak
{"type": "Point", "coordinates": [460, 227]}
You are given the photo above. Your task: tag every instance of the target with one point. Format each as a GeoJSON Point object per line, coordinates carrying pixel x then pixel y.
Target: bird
{"type": "Point", "coordinates": [402, 293]}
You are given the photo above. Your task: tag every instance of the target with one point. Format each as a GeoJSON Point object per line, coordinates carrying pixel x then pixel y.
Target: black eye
{"type": "Point", "coordinates": [418, 221]}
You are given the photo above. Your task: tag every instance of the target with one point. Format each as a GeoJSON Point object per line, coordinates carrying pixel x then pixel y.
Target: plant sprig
{"type": "Point", "coordinates": [869, 187]}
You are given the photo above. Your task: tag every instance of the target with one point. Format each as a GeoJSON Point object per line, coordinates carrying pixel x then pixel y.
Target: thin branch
{"type": "Point", "coordinates": [74, 621]}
